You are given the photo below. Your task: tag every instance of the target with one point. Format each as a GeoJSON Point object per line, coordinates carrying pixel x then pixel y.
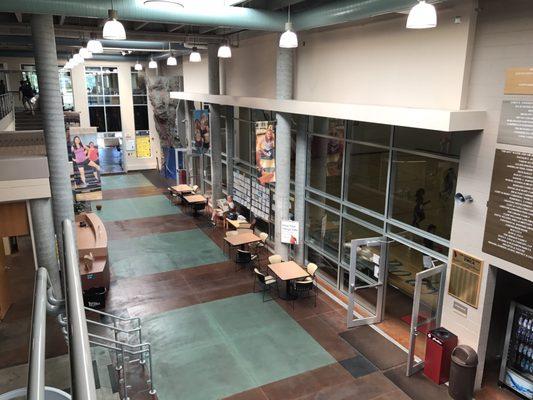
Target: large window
{"type": "Point", "coordinates": [140, 100]}
{"type": "Point", "coordinates": [324, 164]}
{"type": "Point", "coordinates": [65, 86]}
{"type": "Point", "coordinates": [104, 98]}
{"type": "Point", "coordinates": [322, 229]}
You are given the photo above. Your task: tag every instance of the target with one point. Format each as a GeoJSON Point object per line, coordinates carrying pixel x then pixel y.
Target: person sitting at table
{"type": "Point", "coordinates": [226, 206]}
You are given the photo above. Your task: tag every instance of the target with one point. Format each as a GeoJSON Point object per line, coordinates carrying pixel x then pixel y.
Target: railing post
{"type": "Point", "coordinates": [38, 338]}
{"type": "Point", "coordinates": [152, 390]}
{"type": "Point", "coordinates": [143, 361]}
{"type": "Point", "coordinates": [118, 366]}
{"type": "Point", "coordinates": [124, 376]}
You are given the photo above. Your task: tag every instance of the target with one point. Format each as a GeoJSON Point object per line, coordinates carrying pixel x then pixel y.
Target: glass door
{"type": "Point", "coordinates": [367, 280]}
{"type": "Point", "coordinates": [427, 308]}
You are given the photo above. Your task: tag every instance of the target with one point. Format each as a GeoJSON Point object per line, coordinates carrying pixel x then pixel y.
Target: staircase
{"type": "Point", "coordinates": [25, 121]}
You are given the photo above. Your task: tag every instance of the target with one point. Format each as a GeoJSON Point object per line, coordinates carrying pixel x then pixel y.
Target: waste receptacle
{"type": "Point", "coordinates": [95, 297]}
{"type": "Point", "coordinates": [463, 373]}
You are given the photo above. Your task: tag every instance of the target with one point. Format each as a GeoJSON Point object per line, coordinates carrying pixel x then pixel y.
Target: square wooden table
{"type": "Point", "coordinates": [236, 224]}
{"type": "Point", "coordinates": [287, 271]}
{"type": "Point", "coordinates": [242, 239]}
{"type": "Point", "coordinates": [181, 189]}
{"type": "Point", "coordinates": [195, 199]}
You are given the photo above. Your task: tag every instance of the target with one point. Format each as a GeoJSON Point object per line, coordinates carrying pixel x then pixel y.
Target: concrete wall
{"type": "Point", "coordinates": [195, 75]}
{"type": "Point", "coordinates": [504, 39]}
{"type": "Point", "coordinates": [376, 63]}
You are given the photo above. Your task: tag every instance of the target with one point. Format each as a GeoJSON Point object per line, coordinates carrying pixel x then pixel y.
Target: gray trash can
{"type": "Point", "coordinates": [463, 373]}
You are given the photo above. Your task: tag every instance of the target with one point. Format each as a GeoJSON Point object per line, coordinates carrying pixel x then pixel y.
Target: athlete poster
{"type": "Point", "coordinates": [265, 151]}
{"type": "Point", "coordinates": [201, 131]}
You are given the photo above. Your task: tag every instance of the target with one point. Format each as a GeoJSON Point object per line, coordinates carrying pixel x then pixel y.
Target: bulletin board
{"type": "Point", "coordinates": [142, 144]}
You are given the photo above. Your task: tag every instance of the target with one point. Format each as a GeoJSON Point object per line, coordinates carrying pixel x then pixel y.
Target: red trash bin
{"type": "Point", "coordinates": [439, 346]}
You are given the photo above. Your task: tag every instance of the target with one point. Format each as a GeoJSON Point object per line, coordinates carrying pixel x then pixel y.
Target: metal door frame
{"type": "Point", "coordinates": [414, 365]}
{"type": "Point", "coordinates": [379, 285]}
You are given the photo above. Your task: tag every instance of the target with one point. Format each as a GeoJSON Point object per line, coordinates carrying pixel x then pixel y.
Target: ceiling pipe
{"type": "Point", "coordinates": [62, 56]}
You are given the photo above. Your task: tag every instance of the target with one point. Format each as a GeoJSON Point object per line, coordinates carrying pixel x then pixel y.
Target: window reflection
{"type": "Point", "coordinates": [350, 231]}
{"type": "Point", "coordinates": [322, 229]}
{"type": "Point", "coordinates": [324, 169]}
{"type": "Point", "coordinates": [326, 268]}
{"type": "Point", "coordinates": [443, 143]}
{"type": "Point", "coordinates": [423, 191]}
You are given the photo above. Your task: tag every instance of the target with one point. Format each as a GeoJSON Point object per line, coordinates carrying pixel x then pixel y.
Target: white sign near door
{"type": "Point", "coordinates": [290, 232]}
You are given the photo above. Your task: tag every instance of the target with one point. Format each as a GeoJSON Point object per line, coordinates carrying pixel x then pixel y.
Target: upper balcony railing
{"type": "Point", "coordinates": [6, 104]}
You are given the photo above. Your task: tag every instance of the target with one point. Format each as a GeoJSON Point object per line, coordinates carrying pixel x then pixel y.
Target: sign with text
{"type": "Point", "coordinates": [509, 224]}
{"type": "Point", "coordinates": [465, 278]}
{"type": "Point", "coordinates": [519, 81]}
{"type": "Point", "coordinates": [516, 123]}
{"type": "Point", "coordinates": [290, 232]}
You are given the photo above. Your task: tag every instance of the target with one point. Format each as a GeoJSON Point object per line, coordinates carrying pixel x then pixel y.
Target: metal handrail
{"type": "Point", "coordinates": [113, 316]}
{"type": "Point", "coordinates": [36, 389]}
{"type": "Point", "coordinates": [81, 374]}
{"type": "Point", "coordinates": [6, 104]}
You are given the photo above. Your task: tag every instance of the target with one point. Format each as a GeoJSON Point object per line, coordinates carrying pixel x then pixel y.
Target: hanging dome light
{"type": "Point", "coordinates": [138, 66]}
{"type": "Point", "coordinates": [152, 64]}
{"type": "Point", "coordinates": [113, 29]}
{"type": "Point", "coordinates": [288, 39]}
{"type": "Point", "coordinates": [224, 51]}
{"type": "Point", "coordinates": [95, 46]}
{"type": "Point", "coordinates": [163, 4]}
{"type": "Point", "coordinates": [68, 65]}
{"type": "Point", "coordinates": [195, 55]}
{"type": "Point", "coordinates": [85, 53]}
{"type": "Point", "coordinates": [422, 16]}
{"type": "Point", "coordinates": [77, 58]}
{"type": "Point", "coordinates": [171, 61]}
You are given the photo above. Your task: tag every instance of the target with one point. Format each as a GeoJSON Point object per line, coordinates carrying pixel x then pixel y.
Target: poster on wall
{"type": "Point", "coordinates": [142, 144]}
{"type": "Point", "coordinates": [265, 151]}
{"type": "Point", "coordinates": [83, 153]}
{"type": "Point", "coordinates": [290, 232]}
{"type": "Point", "coordinates": [201, 131]}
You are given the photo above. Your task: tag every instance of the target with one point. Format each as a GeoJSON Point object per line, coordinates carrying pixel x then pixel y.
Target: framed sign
{"type": "Point", "coordinates": [290, 232]}
{"type": "Point", "coordinates": [519, 81]}
{"type": "Point", "coordinates": [465, 278]}
{"type": "Point", "coordinates": [516, 123]}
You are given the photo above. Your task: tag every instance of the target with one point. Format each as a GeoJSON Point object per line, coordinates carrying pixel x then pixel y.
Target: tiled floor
{"type": "Point", "coordinates": [136, 207]}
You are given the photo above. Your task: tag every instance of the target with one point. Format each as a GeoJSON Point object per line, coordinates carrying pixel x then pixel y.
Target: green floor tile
{"type": "Point", "coordinates": [216, 349]}
{"type": "Point", "coordinates": [162, 252]}
{"type": "Point", "coordinates": [124, 181]}
{"type": "Point", "coordinates": [135, 207]}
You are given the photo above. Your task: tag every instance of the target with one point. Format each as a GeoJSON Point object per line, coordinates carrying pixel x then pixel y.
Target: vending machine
{"type": "Point", "coordinates": [517, 362]}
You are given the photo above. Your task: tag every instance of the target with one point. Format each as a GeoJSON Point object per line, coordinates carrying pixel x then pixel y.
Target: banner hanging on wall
{"type": "Point", "coordinates": [265, 151]}
{"type": "Point", "coordinates": [201, 132]}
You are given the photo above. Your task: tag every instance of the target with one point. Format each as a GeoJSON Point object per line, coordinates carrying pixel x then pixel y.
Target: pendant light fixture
{"type": "Point", "coordinates": [94, 45]}
{"type": "Point", "coordinates": [171, 60]}
{"type": "Point", "coordinates": [113, 29]}
{"type": "Point", "coordinates": [422, 16]}
{"type": "Point", "coordinates": [138, 66]}
{"type": "Point", "coordinates": [152, 64]}
{"type": "Point", "coordinates": [169, 5]}
{"type": "Point", "coordinates": [195, 55]}
{"type": "Point", "coordinates": [85, 53]}
{"type": "Point", "coordinates": [224, 51]}
{"type": "Point", "coordinates": [288, 39]}
{"type": "Point", "coordinates": [77, 58]}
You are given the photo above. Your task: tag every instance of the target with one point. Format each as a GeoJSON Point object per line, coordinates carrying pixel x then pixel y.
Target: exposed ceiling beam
{"type": "Point", "coordinates": [203, 31]}
{"type": "Point", "coordinates": [19, 17]}
{"type": "Point", "coordinates": [141, 25]}
{"type": "Point", "coordinates": [174, 28]}
{"type": "Point", "coordinates": [62, 20]}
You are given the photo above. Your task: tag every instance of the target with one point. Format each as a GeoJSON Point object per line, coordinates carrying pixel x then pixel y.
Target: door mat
{"type": "Point", "coordinates": [376, 348]}
{"type": "Point", "coordinates": [424, 328]}
{"type": "Point", "coordinates": [418, 387]}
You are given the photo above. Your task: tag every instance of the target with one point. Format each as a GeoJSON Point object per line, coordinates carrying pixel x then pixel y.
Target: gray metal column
{"type": "Point", "coordinates": [44, 48]}
{"type": "Point", "coordinates": [214, 128]}
{"type": "Point", "coordinates": [230, 147]}
{"type": "Point", "coordinates": [284, 75]}
{"type": "Point", "coordinates": [299, 184]}
{"type": "Point", "coordinates": [45, 241]}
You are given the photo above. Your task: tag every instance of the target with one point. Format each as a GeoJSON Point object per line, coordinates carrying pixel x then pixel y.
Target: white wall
{"type": "Point", "coordinates": [379, 63]}
{"type": "Point", "coordinates": [7, 123]}
{"type": "Point", "coordinates": [504, 39]}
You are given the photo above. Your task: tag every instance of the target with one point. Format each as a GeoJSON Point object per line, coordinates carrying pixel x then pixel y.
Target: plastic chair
{"type": "Point", "coordinates": [266, 282]}
{"type": "Point", "coordinates": [275, 259]}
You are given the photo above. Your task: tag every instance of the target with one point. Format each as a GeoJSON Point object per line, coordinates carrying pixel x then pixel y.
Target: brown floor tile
{"type": "Point", "coordinates": [253, 394]}
{"type": "Point", "coordinates": [330, 376]}
{"type": "Point", "coordinates": [305, 307]}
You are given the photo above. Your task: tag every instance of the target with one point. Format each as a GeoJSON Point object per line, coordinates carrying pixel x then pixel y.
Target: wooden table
{"type": "Point", "coordinates": [242, 239]}
{"type": "Point", "coordinates": [287, 271]}
{"type": "Point", "coordinates": [181, 189]}
{"type": "Point", "coordinates": [236, 224]}
{"type": "Point", "coordinates": [196, 202]}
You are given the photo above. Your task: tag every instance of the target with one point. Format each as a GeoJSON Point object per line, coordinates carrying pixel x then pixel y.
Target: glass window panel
{"type": "Point", "coordinates": [138, 84]}
{"type": "Point", "coordinates": [326, 268]}
{"type": "Point", "coordinates": [245, 132]}
{"type": "Point", "coordinates": [207, 168]}
{"type": "Point", "coordinates": [443, 143]}
{"type": "Point", "coordinates": [366, 176]}
{"type": "Point", "coordinates": [114, 124]}
{"type": "Point", "coordinates": [262, 115]}
{"type": "Point", "coordinates": [423, 190]}
{"type": "Point", "coordinates": [93, 81]}
{"type": "Point", "coordinates": [96, 100]}
{"type": "Point", "coordinates": [325, 164]}
{"type": "Point", "coordinates": [368, 132]}
{"type": "Point", "coordinates": [322, 229]}
{"type": "Point", "coordinates": [97, 118]}
{"type": "Point", "coordinates": [365, 217]}
{"type": "Point", "coordinates": [110, 83]}
{"type": "Point", "coordinates": [423, 241]}
{"type": "Point", "coordinates": [324, 200]}
{"type": "Point", "coordinates": [139, 100]}
{"type": "Point", "coordinates": [327, 126]}
{"type": "Point", "coordinates": [350, 231]}
{"type": "Point", "coordinates": [112, 100]}
{"type": "Point", "coordinates": [140, 114]}
{"type": "Point", "coordinates": [65, 86]}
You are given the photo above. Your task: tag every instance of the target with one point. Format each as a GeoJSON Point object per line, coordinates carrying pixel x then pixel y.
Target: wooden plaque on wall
{"type": "Point", "coordinates": [465, 278]}
{"type": "Point", "coordinates": [519, 81]}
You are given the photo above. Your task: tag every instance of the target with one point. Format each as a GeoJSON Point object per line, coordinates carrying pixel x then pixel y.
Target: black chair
{"type": "Point", "coordinates": [245, 258]}
{"type": "Point", "coordinates": [266, 283]}
{"type": "Point", "coordinates": [303, 289]}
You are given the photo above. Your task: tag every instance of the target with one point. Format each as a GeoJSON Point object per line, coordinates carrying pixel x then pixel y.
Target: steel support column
{"type": "Point", "coordinates": [44, 47]}
{"type": "Point", "coordinates": [284, 76]}
{"type": "Point", "coordinates": [214, 128]}
{"type": "Point", "coordinates": [299, 184]}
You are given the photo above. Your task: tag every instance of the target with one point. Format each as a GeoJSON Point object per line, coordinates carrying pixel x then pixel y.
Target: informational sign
{"type": "Point", "coordinates": [516, 123]}
{"type": "Point", "coordinates": [465, 278]}
{"type": "Point", "coordinates": [142, 144]}
{"type": "Point", "coordinates": [509, 223]}
{"type": "Point", "coordinates": [265, 151]}
{"type": "Point", "coordinates": [290, 232]}
{"type": "Point", "coordinates": [130, 144]}
{"type": "Point", "coordinates": [519, 81]}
